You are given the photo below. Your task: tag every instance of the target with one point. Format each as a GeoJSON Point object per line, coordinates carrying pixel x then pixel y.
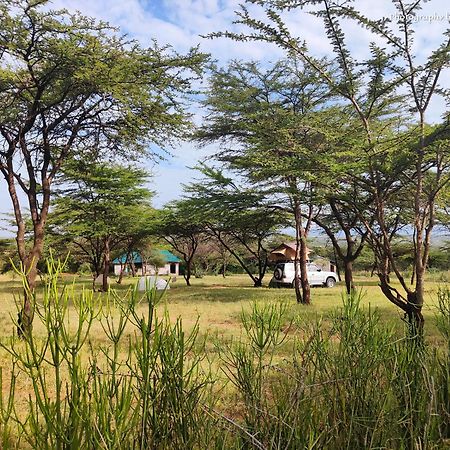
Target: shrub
{"type": "Point", "coordinates": [84, 269]}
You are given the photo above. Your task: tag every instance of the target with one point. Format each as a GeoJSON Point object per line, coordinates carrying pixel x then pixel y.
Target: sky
{"type": "Point", "coordinates": [181, 23]}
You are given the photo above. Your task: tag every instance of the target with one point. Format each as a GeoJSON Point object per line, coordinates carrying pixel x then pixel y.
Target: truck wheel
{"type": "Point", "coordinates": [278, 274]}
{"type": "Point", "coordinates": [331, 282]}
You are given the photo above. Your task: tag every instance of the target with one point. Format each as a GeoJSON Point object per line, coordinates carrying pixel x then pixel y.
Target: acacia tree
{"type": "Point", "coordinates": [271, 126]}
{"type": "Point", "coordinates": [236, 216]}
{"type": "Point", "coordinates": [98, 208]}
{"type": "Point", "coordinates": [71, 85]}
{"type": "Point", "coordinates": [177, 226]}
{"type": "Point", "coordinates": [212, 256]}
{"type": "Point", "coordinates": [341, 224]}
{"type": "Point", "coordinates": [371, 88]}
{"type": "Point", "coordinates": [136, 237]}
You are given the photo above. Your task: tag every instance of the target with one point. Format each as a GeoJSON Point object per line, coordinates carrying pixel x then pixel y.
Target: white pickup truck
{"type": "Point", "coordinates": [284, 275]}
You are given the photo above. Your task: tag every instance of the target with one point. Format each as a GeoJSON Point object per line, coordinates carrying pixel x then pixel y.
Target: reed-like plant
{"type": "Point", "coordinates": [142, 388]}
{"type": "Point", "coordinates": [113, 371]}
{"type": "Point", "coordinates": [247, 362]}
{"type": "Point", "coordinates": [442, 364]}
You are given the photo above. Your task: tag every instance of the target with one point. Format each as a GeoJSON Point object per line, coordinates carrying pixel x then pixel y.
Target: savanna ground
{"type": "Point", "coordinates": [215, 304]}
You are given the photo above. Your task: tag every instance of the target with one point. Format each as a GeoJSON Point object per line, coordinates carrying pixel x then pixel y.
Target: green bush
{"type": "Point", "coordinates": [152, 398]}
{"type": "Point", "coordinates": [356, 384]}
{"type": "Point", "coordinates": [84, 269]}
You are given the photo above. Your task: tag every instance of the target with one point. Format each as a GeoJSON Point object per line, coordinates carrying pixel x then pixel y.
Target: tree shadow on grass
{"type": "Point", "coordinates": [206, 294]}
{"type": "Point", "coordinates": [12, 287]}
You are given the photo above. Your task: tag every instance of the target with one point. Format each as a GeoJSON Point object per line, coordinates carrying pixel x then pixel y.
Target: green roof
{"type": "Point", "coordinates": [137, 259]}
{"type": "Point", "coordinates": [169, 257]}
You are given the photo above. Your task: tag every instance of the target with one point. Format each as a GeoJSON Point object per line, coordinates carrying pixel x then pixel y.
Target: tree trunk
{"type": "Point", "coordinates": [416, 298]}
{"type": "Point", "coordinates": [297, 283]}
{"type": "Point", "coordinates": [124, 266]}
{"type": "Point", "coordinates": [133, 269]}
{"type": "Point", "coordinates": [261, 272]}
{"type": "Point", "coordinates": [119, 280]}
{"type": "Point", "coordinates": [106, 262]}
{"type": "Point", "coordinates": [306, 289]}
{"type": "Point", "coordinates": [416, 301]}
{"type": "Point", "coordinates": [25, 318]}
{"type": "Point", "coordinates": [94, 277]}
{"type": "Point", "coordinates": [187, 272]}
{"type": "Point", "coordinates": [348, 272]}
{"type": "Point", "coordinates": [301, 256]}
{"type": "Point", "coordinates": [39, 212]}
{"type": "Point", "coordinates": [236, 255]}
{"type": "Point", "coordinates": [336, 260]}
{"type": "Point", "coordinates": [415, 316]}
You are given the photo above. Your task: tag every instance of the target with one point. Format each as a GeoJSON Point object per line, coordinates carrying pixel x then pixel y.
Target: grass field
{"type": "Point", "coordinates": [215, 304]}
{"type": "Point", "coordinates": [218, 301]}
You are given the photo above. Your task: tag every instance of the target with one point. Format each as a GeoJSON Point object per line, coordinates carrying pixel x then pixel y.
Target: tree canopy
{"type": "Point", "coordinates": [72, 85]}
{"type": "Point", "coordinates": [99, 208]}
{"type": "Point", "coordinates": [387, 80]}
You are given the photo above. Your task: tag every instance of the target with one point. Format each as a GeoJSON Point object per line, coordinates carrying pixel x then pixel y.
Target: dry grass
{"type": "Point", "coordinates": [216, 303]}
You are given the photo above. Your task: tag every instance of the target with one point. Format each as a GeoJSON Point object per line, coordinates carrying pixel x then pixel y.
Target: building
{"type": "Point", "coordinates": [171, 267]}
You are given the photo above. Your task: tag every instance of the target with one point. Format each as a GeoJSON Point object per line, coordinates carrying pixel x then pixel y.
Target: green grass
{"type": "Point", "coordinates": [217, 302]}
{"type": "Point", "coordinates": [216, 305]}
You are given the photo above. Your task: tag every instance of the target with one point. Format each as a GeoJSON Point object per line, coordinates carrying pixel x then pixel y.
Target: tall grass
{"type": "Point", "coordinates": [141, 389]}
{"type": "Point", "coordinates": [356, 384]}
{"type": "Point", "coordinates": [351, 383]}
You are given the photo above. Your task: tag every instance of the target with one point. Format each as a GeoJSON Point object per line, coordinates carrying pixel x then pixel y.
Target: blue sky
{"type": "Point", "coordinates": [181, 22]}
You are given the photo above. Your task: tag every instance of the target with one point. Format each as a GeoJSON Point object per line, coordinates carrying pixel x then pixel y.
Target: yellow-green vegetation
{"type": "Point", "coordinates": [216, 302]}
{"type": "Point", "coordinates": [243, 367]}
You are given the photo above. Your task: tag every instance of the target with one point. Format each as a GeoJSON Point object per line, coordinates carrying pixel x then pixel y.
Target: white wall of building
{"type": "Point", "coordinates": [172, 269]}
